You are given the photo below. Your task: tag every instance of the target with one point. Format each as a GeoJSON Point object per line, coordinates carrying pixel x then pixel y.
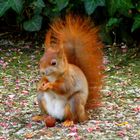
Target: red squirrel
{"type": "Point", "coordinates": [71, 65]}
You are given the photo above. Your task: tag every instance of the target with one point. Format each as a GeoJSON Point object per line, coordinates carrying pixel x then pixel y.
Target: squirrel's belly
{"type": "Point", "coordinates": [55, 105]}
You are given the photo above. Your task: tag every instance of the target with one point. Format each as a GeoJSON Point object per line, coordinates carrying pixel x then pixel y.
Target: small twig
{"type": "Point", "coordinates": [3, 34]}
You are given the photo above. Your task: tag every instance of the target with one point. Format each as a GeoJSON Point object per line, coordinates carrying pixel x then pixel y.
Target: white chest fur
{"type": "Point", "coordinates": [55, 105]}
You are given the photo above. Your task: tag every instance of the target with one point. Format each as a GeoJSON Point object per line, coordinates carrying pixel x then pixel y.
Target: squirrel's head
{"type": "Point", "coordinates": [53, 62]}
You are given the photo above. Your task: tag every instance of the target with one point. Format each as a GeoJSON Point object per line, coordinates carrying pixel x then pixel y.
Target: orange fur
{"type": "Point", "coordinates": [79, 38]}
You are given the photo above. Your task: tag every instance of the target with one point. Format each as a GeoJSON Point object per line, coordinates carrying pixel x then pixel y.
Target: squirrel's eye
{"type": "Point", "coordinates": [53, 62]}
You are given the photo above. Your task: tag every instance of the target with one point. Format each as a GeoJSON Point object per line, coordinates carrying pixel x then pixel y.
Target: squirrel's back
{"type": "Point", "coordinates": [80, 40]}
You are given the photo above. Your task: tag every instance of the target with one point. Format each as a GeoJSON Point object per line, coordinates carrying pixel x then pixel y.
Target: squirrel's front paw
{"type": "Point", "coordinates": [45, 86]}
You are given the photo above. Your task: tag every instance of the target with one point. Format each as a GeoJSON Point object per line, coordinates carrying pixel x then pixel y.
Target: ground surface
{"type": "Point", "coordinates": [118, 118]}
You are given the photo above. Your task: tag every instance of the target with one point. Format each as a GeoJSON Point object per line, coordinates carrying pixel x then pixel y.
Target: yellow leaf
{"type": "Point", "coordinates": [123, 123]}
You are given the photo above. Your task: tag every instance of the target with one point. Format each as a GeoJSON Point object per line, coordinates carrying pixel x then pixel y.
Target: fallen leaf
{"type": "Point", "coordinates": [11, 96]}
{"type": "Point", "coordinates": [25, 92]}
{"type": "Point", "coordinates": [37, 118]}
{"type": "Point", "coordinates": [121, 133]}
{"type": "Point", "coordinates": [73, 129]}
{"type": "Point", "coordinates": [123, 123]}
{"type": "Point", "coordinates": [28, 135]}
{"type": "Point", "coordinates": [72, 134]}
{"type": "Point", "coordinates": [137, 109]}
{"type": "Point", "coordinates": [90, 129]}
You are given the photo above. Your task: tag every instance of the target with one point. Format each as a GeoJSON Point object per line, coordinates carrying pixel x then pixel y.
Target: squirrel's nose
{"type": "Point", "coordinates": [46, 71]}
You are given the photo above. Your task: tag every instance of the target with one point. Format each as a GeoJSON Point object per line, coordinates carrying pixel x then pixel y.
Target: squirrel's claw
{"type": "Point", "coordinates": [68, 123]}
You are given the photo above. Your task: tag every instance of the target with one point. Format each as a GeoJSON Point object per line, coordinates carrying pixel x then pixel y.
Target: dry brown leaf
{"type": "Point", "coordinates": [37, 118]}
{"type": "Point", "coordinates": [28, 135]}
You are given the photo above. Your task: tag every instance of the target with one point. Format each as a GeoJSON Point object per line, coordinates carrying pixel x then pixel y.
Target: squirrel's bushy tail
{"type": "Point", "coordinates": [80, 40]}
